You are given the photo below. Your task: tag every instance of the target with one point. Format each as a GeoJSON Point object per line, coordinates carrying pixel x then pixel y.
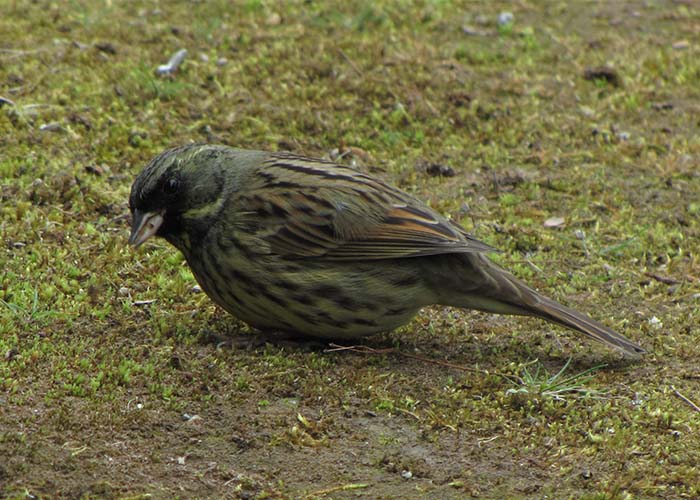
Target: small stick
{"type": "Point", "coordinates": [352, 64]}
{"type": "Point", "coordinates": [688, 401]}
{"type": "Point", "coordinates": [363, 349]}
{"type": "Point", "coordinates": [663, 279]}
{"type": "Point", "coordinates": [344, 487]}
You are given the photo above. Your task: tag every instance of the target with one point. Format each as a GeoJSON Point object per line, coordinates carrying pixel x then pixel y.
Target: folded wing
{"type": "Point", "coordinates": [306, 208]}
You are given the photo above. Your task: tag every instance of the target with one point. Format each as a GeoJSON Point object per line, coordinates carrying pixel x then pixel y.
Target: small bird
{"type": "Point", "coordinates": [306, 246]}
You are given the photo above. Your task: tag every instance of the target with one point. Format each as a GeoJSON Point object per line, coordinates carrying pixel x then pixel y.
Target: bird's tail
{"type": "Point", "coordinates": [550, 310]}
{"type": "Point", "coordinates": [496, 290]}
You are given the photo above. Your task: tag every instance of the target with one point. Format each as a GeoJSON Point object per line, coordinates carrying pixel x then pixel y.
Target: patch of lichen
{"type": "Point", "coordinates": [111, 382]}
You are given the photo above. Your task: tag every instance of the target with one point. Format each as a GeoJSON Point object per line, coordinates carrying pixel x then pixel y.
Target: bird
{"type": "Point", "coordinates": [310, 247]}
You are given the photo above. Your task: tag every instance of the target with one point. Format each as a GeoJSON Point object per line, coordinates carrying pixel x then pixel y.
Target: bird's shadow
{"type": "Point", "coordinates": [466, 352]}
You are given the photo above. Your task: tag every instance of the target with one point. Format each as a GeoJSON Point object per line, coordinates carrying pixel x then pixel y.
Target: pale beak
{"type": "Point", "coordinates": [144, 225]}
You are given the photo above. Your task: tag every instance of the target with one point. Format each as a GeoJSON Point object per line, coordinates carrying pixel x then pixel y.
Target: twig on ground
{"type": "Point", "coordinates": [351, 63]}
{"type": "Point", "coordinates": [662, 279]}
{"type": "Point", "coordinates": [685, 399]}
{"type": "Point", "coordinates": [363, 349]}
{"type": "Point", "coordinates": [344, 487]}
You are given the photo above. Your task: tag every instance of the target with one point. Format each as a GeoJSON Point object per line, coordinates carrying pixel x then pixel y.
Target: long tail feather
{"type": "Point", "coordinates": [558, 313]}
{"type": "Point", "coordinates": [493, 289]}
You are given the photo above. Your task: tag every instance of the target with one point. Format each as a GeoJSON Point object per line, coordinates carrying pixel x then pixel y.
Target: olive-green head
{"type": "Point", "coordinates": [180, 193]}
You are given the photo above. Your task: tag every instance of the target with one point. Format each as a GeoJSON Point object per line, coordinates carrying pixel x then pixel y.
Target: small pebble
{"type": "Point", "coordinates": [406, 474]}
{"type": "Point", "coordinates": [51, 127]}
{"type": "Point", "coordinates": [274, 19]}
{"type": "Point", "coordinates": [505, 18]}
{"type": "Point", "coordinates": [554, 222]}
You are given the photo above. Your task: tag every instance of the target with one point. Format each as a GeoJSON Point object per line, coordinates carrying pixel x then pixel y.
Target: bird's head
{"type": "Point", "coordinates": [178, 195]}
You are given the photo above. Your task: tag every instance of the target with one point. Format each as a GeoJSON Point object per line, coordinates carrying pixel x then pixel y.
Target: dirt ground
{"type": "Point", "coordinates": [563, 133]}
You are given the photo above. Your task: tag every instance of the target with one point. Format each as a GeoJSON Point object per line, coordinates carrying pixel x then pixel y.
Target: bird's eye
{"type": "Point", "coordinates": [172, 186]}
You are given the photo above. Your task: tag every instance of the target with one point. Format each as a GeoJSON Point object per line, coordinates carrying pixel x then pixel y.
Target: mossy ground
{"type": "Point", "coordinates": [103, 395]}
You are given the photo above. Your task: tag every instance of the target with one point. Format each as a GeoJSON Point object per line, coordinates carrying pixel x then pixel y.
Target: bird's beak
{"type": "Point", "coordinates": [145, 225]}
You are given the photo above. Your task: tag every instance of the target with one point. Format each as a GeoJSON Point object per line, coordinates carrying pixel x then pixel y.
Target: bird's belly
{"type": "Point", "coordinates": [336, 301]}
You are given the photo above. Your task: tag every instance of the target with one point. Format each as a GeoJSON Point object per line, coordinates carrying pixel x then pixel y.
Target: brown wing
{"type": "Point", "coordinates": [309, 208]}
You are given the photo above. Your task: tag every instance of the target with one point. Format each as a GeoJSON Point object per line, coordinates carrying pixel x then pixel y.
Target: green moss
{"type": "Point", "coordinates": [95, 380]}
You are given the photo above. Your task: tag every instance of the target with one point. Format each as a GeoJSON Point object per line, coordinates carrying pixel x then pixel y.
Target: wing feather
{"type": "Point", "coordinates": [303, 208]}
